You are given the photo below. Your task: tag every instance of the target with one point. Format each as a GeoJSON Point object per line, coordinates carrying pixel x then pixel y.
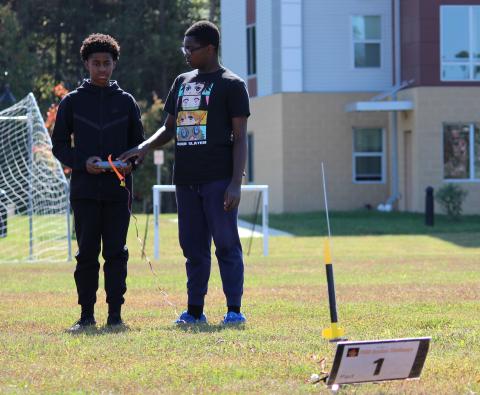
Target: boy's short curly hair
{"type": "Point", "coordinates": [205, 32]}
{"type": "Point", "coordinates": [98, 42]}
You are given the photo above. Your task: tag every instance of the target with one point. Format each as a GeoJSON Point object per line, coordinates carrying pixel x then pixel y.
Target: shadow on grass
{"type": "Point", "coordinates": [100, 331]}
{"type": "Point", "coordinates": [190, 328]}
{"type": "Point", "coordinates": [206, 328]}
{"type": "Point", "coordinates": [464, 232]}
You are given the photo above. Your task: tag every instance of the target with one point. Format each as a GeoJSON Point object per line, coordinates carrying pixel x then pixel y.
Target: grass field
{"type": "Point", "coordinates": [394, 277]}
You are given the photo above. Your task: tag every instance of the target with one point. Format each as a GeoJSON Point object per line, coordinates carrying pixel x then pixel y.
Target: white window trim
{"type": "Point", "coordinates": [354, 41]}
{"type": "Point", "coordinates": [368, 154]}
{"type": "Point", "coordinates": [255, 74]}
{"type": "Point", "coordinates": [472, 62]}
{"type": "Point", "coordinates": [471, 142]}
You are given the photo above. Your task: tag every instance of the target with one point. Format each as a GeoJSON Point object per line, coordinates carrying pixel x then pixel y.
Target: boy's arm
{"type": "Point", "coordinates": [232, 193]}
{"type": "Point", "coordinates": [61, 138]}
{"type": "Point", "coordinates": [239, 109]}
{"type": "Point", "coordinates": [160, 138]}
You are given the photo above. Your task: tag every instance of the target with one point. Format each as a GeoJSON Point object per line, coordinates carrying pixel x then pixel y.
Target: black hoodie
{"type": "Point", "coordinates": [101, 121]}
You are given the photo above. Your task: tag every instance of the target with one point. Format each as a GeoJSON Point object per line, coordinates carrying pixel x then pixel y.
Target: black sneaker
{"type": "Point", "coordinates": [82, 324]}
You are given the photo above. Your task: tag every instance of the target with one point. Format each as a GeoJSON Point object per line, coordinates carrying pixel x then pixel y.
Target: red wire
{"type": "Point", "coordinates": [147, 259]}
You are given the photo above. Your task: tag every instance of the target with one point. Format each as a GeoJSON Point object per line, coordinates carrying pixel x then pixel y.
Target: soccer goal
{"type": "Point", "coordinates": [34, 204]}
{"type": "Point", "coordinates": [158, 189]}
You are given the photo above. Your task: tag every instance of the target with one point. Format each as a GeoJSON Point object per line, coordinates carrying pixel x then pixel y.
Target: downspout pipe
{"type": "Point", "coordinates": [395, 195]}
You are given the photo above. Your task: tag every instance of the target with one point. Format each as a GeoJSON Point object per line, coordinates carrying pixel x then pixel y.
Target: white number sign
{"type": "Point", "coordinates": [378, 360]}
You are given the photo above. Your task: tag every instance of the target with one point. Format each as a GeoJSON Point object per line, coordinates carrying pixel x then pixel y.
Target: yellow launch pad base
{"type": "Point", "coordinates": [334, 333]}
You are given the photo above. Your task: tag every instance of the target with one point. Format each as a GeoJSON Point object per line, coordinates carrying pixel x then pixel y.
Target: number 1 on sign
{"type": "Point", "coordinates": [379, 363]}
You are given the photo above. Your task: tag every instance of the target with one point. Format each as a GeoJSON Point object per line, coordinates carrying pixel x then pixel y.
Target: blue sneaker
{"type": "Point", "coordinates": [232, 318]}
{"type": "Point", "coordinates": [189, 319]}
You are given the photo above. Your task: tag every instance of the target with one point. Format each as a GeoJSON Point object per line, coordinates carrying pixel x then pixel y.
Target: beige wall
{"type": "Point", "coordinates": [267, 127]}
{"type": "Point", "coordinates": [434, 106]}
{"type": "Point", "coordinates": [294, 133]}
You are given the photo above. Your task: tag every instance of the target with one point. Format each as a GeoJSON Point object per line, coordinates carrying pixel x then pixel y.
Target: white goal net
{"type": "Point", "coordinates": [34, 205]}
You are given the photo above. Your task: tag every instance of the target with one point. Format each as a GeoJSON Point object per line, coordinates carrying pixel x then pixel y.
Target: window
{"type": "Point", "coordinates": [251, 51]}
{"type": "Point", "coordinates": [460, 43]}
{"type": "Point", "coordinates": [461, 151]}
{"type": "Point", "coordinates": [367, 39]}
{"type": "Point", "coordinates": [368, 155]}
{"type": "Point", "coordinates": [250, 158]}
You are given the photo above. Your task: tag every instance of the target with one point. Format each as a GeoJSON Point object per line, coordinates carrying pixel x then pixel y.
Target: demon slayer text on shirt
{"type": "Point", "coordinates": [203, 105]}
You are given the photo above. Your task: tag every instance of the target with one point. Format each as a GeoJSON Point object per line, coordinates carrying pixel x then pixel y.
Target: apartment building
{"type": "Point", "coordinates": [383, 92]}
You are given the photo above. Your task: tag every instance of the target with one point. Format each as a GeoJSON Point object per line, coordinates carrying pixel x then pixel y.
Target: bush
{"type": "Point", "coordinates": [451, 198]}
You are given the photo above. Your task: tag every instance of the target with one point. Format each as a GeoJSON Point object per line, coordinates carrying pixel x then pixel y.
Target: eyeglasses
{"type": "Point", "coordinates": [189, 51]}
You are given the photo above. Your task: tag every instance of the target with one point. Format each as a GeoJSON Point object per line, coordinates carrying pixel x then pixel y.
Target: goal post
{"type": "Point", "coordinates": [158, 189]}
{"type": "Point", "coordinates": [34, 203]}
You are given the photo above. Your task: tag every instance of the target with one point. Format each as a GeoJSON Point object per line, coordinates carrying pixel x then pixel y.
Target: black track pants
{"type": "Point", "coordinates": [101, 224]}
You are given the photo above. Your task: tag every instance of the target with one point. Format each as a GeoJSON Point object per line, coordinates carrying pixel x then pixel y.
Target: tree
{"type": "Point", "coordinates": [43, 41]}
{"type": "Point", "coordinates": [150, 33]}
{"type": "Point", "coordinates": [17, 64]}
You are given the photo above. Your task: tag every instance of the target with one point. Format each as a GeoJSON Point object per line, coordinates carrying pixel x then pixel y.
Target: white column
{"type": "Point", "coordinates": [265, 220]}
{"type": "Point", "coordinates": [156, 211]}
{"type": "Point", "coordinates": [291, 43]}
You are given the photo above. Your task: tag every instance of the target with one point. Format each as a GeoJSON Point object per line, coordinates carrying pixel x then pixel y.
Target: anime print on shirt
{"type": "Point", "coordinates": [193, 99]}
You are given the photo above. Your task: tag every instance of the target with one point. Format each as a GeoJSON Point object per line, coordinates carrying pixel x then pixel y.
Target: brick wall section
{"type": "Point", "coordinates": [420, 41]}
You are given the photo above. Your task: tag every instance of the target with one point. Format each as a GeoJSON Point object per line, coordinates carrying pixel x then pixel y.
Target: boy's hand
{"type": "Point", "coordinates": [138, 152]}
{"type": "Point", "coordinates": [232, 197]}
{"type": "Point", "coordinates": [92, 168]}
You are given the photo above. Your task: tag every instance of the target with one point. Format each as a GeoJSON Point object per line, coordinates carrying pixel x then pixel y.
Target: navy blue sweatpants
{"type": "Point", "coordinates": [201, 217]}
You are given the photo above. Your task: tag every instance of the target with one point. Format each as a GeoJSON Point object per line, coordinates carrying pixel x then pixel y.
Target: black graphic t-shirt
{"type": "Point", "coordinates": [203, 105]}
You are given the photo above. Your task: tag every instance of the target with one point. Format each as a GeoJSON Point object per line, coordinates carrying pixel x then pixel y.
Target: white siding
{"type": "Point", "coordinates": [305, 45]}
{"type": "Point", "coordinates": [234, 36]}
{"type": "Point", "coordinates": [328, 52]}
{"type": "Point", "coordinates": [265, 64]}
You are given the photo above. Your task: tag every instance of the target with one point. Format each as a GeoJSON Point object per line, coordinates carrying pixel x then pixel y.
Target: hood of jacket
{"type": "Point", "coordinates": [111, 89]}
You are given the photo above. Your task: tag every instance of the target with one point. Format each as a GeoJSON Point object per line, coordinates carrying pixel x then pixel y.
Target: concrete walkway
{"type": "Point", "coordinates": [245, 230]}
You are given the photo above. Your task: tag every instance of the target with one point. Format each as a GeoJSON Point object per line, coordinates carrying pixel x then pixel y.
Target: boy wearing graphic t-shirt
{"type": "Point", "coordinates": [207, 111]}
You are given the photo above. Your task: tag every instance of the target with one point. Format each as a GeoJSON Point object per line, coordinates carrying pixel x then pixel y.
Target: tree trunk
{"type": "Point", "coordinates": [162, 28]}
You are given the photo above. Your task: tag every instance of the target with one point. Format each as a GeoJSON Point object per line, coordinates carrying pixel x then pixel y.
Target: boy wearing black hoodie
{"type": "Point", "coordinates": [93, 121]}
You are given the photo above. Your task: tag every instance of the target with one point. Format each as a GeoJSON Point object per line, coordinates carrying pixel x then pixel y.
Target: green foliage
{"type": "Point", "coordinates": [150, 33]}
{"type": "Point", "coordinates": [363, 222]}
{"type": "Point", "coordinates": [451, 197]}
{"type": "Point", "coordinates": [16, 63]}
{"type": "Point", "coordinates": [43, 87]}
{"type": "Point", "coordinates": [40, 47]}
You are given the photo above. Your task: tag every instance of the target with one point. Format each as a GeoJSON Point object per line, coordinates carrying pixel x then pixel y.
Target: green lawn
{"type": "Point", "coordinates": [360, 223]}
{"type": "Point", "coordinates": [49, 241]}
{"type": "Point", "coordinates": [394, 278]}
